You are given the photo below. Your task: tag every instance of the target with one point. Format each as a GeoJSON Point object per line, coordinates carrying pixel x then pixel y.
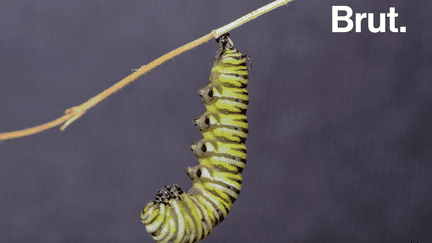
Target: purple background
{"type": "Point", "coordinates": [339, 148]}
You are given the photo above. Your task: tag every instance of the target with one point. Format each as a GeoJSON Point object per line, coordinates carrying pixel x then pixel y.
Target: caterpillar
{"type": "Point", "coordinates": [176, 216]}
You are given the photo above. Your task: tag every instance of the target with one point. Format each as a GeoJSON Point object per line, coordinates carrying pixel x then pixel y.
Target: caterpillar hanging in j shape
{"type": "Point", "coordinates": [176, 216]}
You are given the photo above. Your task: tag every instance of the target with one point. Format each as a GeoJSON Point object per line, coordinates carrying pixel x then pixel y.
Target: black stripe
{"type": "Point", "coordinates": [241, 101]}
{"type": "Point", "coordinates": [242, 120]}
{"type": "Point", "coordinates": [230, 127]}
{"type": "Point", "coordinates": [242, 92]}
{"type": "Point", "coordinates": [240, 149]}
{"type": "Point", "coordinates": [228, 112]}
{"type": "Point", "coordinates": [236, 56]}
{"type": "Point", "coordinates": [242, 65]}
{"type": "Point", "coordinates": [220, 167]}
{"type": "Point", "coordinates": [225, 139]}
{"type": "Point", "coordinates": [212, 205]}
{"type": "Point", "coordinates": [219, 219]}
{"type": "Point", "coordinates": [225, 155]}
{"type": "Point", "coordinates": [231, 85]}
{"type": "Point", "coordinates": [237, 75]}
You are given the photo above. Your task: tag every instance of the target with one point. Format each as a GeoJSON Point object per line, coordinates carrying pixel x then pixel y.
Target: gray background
{"type": "Point", "coordinates": [339, 147]}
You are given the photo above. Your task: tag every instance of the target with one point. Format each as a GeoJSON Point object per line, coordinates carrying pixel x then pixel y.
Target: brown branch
{"type": "Point", "coordinates": [77, 111]}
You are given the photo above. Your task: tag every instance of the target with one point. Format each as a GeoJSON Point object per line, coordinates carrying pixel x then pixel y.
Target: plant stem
{"type": "Point", "coordinates": [76, 112]}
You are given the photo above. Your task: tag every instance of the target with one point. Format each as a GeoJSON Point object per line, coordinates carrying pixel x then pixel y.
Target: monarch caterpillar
{"type": "Point", "coordinates": [175, 216]}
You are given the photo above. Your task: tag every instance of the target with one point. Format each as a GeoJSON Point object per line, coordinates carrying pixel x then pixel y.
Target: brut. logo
{"type": "Point", "coordinates": [358, 20]}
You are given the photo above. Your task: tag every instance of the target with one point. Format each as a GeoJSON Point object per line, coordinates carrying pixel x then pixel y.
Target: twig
{"type": "Point", "coordinates": [76, 112]}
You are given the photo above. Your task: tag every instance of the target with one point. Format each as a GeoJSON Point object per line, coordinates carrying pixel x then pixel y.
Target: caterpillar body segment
{"type": "Point", "coordinates": [175, 216]}
{"type": "Point", "coordinates": [228, 127]}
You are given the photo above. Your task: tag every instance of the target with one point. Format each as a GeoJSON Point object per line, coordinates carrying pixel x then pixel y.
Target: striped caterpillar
{"type": "Point", "coordinates": [175, 216]}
